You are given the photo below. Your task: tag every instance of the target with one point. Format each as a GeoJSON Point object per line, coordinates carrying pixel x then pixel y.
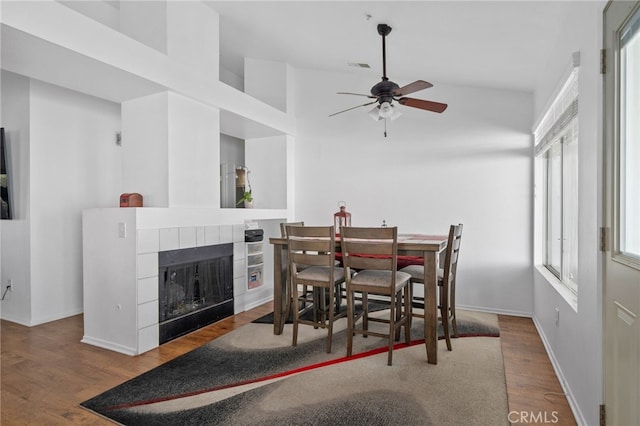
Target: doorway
{"type": "Point", "coordinates": [621, 232]}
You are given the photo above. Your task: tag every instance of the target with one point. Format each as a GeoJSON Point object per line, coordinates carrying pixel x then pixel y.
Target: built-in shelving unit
{"type": "Point", "coordinates": [255, 264]}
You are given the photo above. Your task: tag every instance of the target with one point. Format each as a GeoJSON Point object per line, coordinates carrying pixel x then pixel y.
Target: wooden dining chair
{"type": "Point", "coordinates": [306, 291]}
{"type": "Point", "coordinates": [373, 252]}
{"type": "Point", "coordinates": [447, 287]}
{"type": "Point", "coordinates": [288, 295]}
{"type": "Point", "coordinates": [314, 247]}
{"type": "Point", "coordinates": [283, 227]}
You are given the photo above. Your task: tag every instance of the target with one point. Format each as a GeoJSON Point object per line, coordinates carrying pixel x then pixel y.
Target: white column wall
{"type": "Point", "coordinates": [172, 151]}
{"type": "Point", "coordinates": [145, 143]}
{"type": "Point", "coordinates": [193, 153]}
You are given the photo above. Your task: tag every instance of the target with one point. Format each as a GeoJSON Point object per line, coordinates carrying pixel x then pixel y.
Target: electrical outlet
{"type": "Point", "coordinates": [10, 285]}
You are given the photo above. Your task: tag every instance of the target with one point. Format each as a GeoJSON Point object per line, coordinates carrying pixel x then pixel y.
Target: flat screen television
{"type": "Point", "coordinates": [4, 178]}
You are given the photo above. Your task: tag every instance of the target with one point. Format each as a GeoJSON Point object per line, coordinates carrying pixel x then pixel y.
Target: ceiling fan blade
{"type": "Point", "coordinates": [412, 87]}
{"type": "Point", "coordinates": [349, 109]}
{"type": "Point", "coordinates": [356, 94]}
{"type": "Point", "coordinates": [422, 104]}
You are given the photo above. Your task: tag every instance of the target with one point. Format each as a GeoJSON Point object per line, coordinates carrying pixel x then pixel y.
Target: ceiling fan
{"type": "Point", "coordinates": [386, 91]}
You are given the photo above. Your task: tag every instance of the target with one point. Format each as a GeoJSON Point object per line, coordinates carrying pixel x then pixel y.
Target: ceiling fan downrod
{"type": "Point", "coordinates": [384, 30]}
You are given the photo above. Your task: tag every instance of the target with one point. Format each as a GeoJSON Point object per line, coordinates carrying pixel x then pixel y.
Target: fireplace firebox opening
{"type": "Point", "coordinates": [195, 288]}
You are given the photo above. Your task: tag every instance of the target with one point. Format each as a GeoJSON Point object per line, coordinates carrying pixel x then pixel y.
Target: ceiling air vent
{"type": "Point", "coordinates": [359, 65]}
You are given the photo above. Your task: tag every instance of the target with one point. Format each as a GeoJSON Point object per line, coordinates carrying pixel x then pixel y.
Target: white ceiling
{"type": "Point", "coordinates": [495, 44]}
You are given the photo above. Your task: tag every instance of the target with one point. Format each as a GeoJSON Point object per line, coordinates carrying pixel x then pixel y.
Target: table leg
{"type": "Point", "coordinates": [431, 306]}
{"type": "Point", "coordinates": [281, 297]}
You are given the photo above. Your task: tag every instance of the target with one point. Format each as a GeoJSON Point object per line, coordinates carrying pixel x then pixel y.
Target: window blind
{"type": "Point", "coordinates": [561, 112]}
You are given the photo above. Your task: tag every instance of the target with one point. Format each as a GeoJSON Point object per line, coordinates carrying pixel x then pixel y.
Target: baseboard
{"type": "Point", "coordinates": [62, 315]}
{"type": "Point", "coordinates": [256, 303]}
{"type": "Point", "coordinates": [109, 345]}
{"type": "Point", "coordinates": [495, 311]}
{"type": "Point", "coordinates": [15, 320]}
{"type": "Point", "coordinates": [43, 320]}
{"type": "Point", "coordinates": [577, 413]}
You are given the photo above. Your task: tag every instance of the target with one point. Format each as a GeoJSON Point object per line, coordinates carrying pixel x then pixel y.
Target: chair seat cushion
{"type": "Point", "coordinates": [417, 272]}
{"type": "Point", "coordinates": [320, 273]}
{"type": "Point", "coordinates": [380, 279]}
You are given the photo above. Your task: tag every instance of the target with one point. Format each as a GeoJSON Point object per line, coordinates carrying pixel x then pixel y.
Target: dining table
{"type": "Point", "coordinates": [420, 246]}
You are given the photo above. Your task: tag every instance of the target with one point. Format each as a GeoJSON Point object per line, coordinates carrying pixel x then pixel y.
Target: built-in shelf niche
{"type": "Point", "coordinates": [264, 159]}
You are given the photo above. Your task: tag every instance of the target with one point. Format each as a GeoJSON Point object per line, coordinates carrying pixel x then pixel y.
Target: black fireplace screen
{"type": "Point", "coordinates": [195, 288]}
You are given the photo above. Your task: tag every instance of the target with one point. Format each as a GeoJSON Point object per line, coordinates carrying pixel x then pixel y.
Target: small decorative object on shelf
{"type": "Point", "coordinates": [131, 200]}
{"type": "Point", "coordinates": [242, 173]}
{"type": "Point", "coordinates": [242, 180]}
{"type": "Point", "coordinates": [247, 199]}
{"type": "Point", "coordinates": [341, 218]}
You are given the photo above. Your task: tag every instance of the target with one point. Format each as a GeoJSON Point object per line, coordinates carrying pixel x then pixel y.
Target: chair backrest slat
{"type": "Point", "coordinates": [308, 243]}
{"type": "Point", "coordinates": [311, 259]}
{"type": "Point", "coordinates": [360, 262]}
{"type": "Point", "coordinates": [369, 248]}
{"type": "Point", "coordinates": [311, 245]}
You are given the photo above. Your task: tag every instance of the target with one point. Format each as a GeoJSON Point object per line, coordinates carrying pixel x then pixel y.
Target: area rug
{"type": "Point", "coordinates": [252, 377]}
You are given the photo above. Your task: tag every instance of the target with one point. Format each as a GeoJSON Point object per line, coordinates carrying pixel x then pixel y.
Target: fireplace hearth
{"type": "Point", "coordinates": [195, 288]}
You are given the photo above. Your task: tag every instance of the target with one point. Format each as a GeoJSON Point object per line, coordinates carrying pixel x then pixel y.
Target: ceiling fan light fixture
{"type": "Point", "coordinates": [375, 113]}
{"type": "Point", "coordinates": [395, 114]}
{"type": "Point", "coordinates": [386, 110]}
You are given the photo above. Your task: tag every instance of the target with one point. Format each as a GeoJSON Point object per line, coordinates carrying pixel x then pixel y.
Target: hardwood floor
{"type": "Point", "coordinates": [535, 394]}
{"type": "Point", "coordinates": [46, 371]}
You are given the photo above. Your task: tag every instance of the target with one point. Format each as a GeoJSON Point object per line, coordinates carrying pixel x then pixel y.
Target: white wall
{"type": "Point", "coordinates": [75, 164]}
{"type": "Point", "coordinates": [72, 162]}
{"type": "Point", "coordinates": [267, 81]}
{"type": "Point", "coordinates": [266, 158]}
{"type": "Point", "coordinates": [575, 345]}
{"type": "Point", "coordinates": [15, 234]}
{"type": "Point", "coordinates": [471, 165]}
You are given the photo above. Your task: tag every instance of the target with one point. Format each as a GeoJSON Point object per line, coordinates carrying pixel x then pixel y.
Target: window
{"type": "Point", "coordinates": [629, 157]}
{"type": "Point", "coordinates": [556, 150]}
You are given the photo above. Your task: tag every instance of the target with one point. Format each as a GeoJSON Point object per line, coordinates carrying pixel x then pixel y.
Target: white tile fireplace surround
{"type": "Point", "coordinates": [120, 269]}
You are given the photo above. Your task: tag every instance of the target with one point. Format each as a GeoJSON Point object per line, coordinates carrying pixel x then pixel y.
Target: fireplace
{"type": "Point", "coordinates": [195, 288]}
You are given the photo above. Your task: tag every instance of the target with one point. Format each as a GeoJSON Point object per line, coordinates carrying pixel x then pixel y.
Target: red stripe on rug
{"type": "Point", "coordinates": [265, 378]}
